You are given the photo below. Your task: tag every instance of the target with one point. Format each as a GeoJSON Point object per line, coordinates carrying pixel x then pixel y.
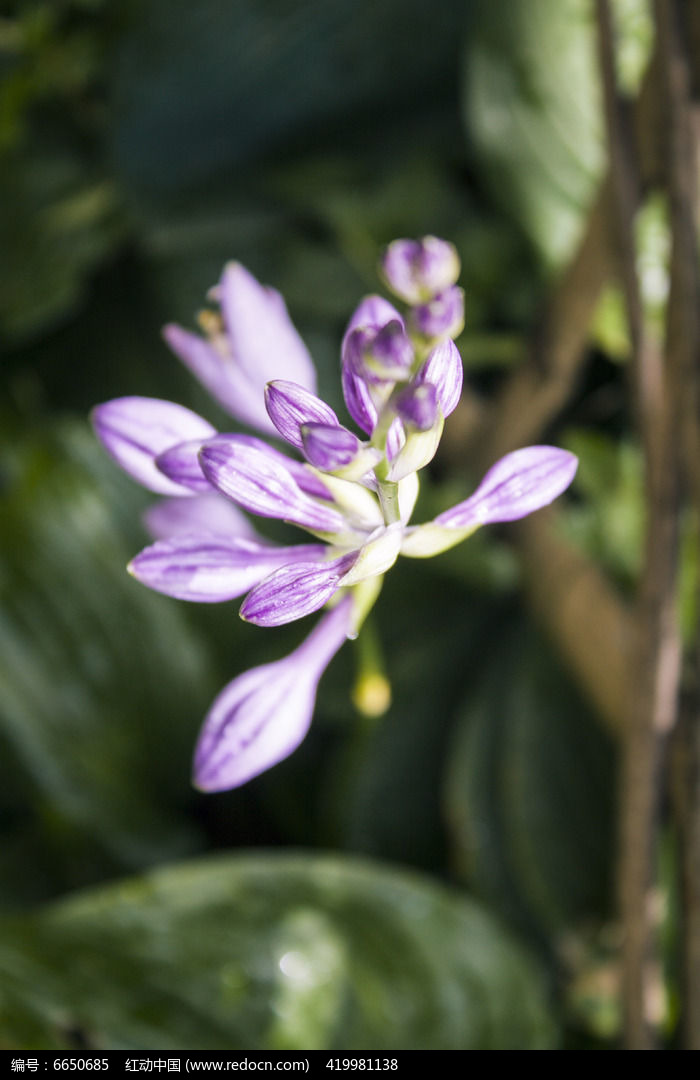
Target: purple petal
{"type": "Point", "coordinates": [443, 368]}
{"type": "Point", "coordinates": [264, 342]}
{"type": "Point", "coordinates": [373, 312]}
{"type": "Point", "coordinates": [358, 400]}
{"type": "Point", "coordinates": [515, 486]}
{"type": "Point", "coordinates": [257, 480]}
{"type": "Point", "coordinates": [263, 715]}
{"type": "Point", "coordinates": [289, 406]}
{"type": "Point", "coordinates": [135, 430]}
{"type": "Point", "coordinates": [328, 447]}
{"type": "Point", "coordinates": [181, 465]}
{"type": "Point", "coordinates": [218, 373]}
{"type": "Point", "coordinates": [417, 405]}
{"type": "Point", "coordinates": [395, 439]}
{"type": "Point", "coordinates": [295, 591]}
{"type": "Point", "coordinates": [442, 316]}
{"type": "Point", "coordinates": [210, 514]}
{"type": "Point", "coordinates": [210, 570]}
{"type": "Point", "coordinates": [417, 269]}
{"type": "Point", "coordinates": [304, 477]}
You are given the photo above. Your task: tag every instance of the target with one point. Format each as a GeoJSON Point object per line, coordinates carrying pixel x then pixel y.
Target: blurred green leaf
{"type": "Point", "coordinates": [270, 952]}
{"type": "Point", "coordinates": [529, 792]}
{"type": "Point", "coordinates": [101, 688]}
{"type": "Point", "coordinates": [532, 110]}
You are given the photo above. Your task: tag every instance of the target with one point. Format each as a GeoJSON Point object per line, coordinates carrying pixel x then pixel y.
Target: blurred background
{"type": "Point", "coordinates": [446, 875]}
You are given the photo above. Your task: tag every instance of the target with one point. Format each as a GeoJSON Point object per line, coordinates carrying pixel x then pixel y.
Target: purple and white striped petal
{"type": "Point", "coordinates": [358, 400]}
{"type": "Point", "coordinates": [373, 312]}
{"type": "Point", "coordinates": [417, 405]}
{"type": "Point", "coordinates": [443, 368]}
{"type": "Point", "coordinates": [209, 514]}
{"type": "Point", "coordinates": [328, 447]}
{"type": "Point", "coordinates": [264, 343]}
{"type": "Point", "coordinates": [255, 478]}
{"type": "Point", "coordinates": [289, 406]}
{"type": "Point", "coordinates": [210, 570]}
{"type": "Point", "coordinates": [135, 430]}
{"type": "Point", "coordinates": [180, 463]}
{"type": "Point", "coordinates": [520, 483]}
{"type": "Point", "coordinates": [263, 715]}
{"type": "Point", "coordinates": [213, 366]}
{"type": "Point", "coordinates": [294, 591]}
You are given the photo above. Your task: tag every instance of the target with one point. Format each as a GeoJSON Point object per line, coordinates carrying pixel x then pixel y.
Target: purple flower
{"type": "Point", "coordinates": [261, 717]}
{"type": "Point", "coordinates": [415, 270]}
{"type": "Point", "coordinates": [249, 343]}
{"type": "Point", "coordinates": [354, 495]}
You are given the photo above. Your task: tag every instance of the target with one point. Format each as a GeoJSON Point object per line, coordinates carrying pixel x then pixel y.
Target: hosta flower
{"type": "Point", "coordinates": [352, 492]}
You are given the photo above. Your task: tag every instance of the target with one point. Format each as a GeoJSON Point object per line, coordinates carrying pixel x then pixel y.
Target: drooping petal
{"type": "Point", "coordinates": [257, 480]}
{"type": "Point", "coordinates": [443, 368]}
{"type": "Point", "coordinates": [294, 591]}
{"type": "Point", "coordinates": [264, 714]}
{"type": "Point", "coordinates": [521, 482]}
{"type": "Point", "coordinates": [135, 430]}
{"type": "Point", "coordinates": [417, 269]}
{"type": "Point", "coordinates": [209, 514]}
{"type": "Point", "coordinates": [180, 463]}
{"type": "Point", "coordinates": [213, 569]}
{"type": "Point", "coordinates": [289, 406]}
{"type": "Point", "coordinates": [215, 368]}
{"type": "Point", "coordinates": [264, 342]}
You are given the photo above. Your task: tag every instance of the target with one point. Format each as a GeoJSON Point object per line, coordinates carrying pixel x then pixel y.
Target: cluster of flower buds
{"type": "Point", "coordinates": [354, 494]}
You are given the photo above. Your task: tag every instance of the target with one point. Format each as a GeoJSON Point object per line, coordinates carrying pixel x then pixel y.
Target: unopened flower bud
{"type": "Point", "coordinates": [417, 405]}
{"type": "Point", "coordinates": [441, 317]}
{"type": "Point", "coordinates": [383, 355]}
{"type": "Point", "coordinates": [416, 270]}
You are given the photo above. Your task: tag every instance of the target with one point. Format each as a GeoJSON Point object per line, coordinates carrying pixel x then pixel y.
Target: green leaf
{"type": "Point", "coordinates": [103, 685]}
{"type": "Point", "coordinates": [288, 952]}
{"type": "Point", "coordinates": [532, 112]}
{"type": "Point", "coordinates": [529, 792]}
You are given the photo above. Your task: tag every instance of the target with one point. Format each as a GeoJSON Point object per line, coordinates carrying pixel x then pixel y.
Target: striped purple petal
{"type": "Point", "coordinates": [264, 342]}
{"type": "Point", "coordinates": [263, 715]}
{"type": "Point", "coordinates": [214, 367]}
{"type": "Point", "coordinates": [211, 570]}
{"type": "Point", "coordinates": [209, 514]}
{"type": "Point", "coordinates": [260, 481]}
{"type": "Point", "coordinates": [294, 591]}
{"type": "Point", "coordinates": [180, 463]}
{"type": "Point", "coordinates": [443, 368]}
{"type": "Point", "coordinates": [515, 486]}
{"type": "Point", "coordinates": [135, 430]}
{"type": "Point", "coordinates": [289, 406]}
{"type": "Point", "coordinates": [373, 312]}
{"type": "Point", "coordinates": [328, 447]}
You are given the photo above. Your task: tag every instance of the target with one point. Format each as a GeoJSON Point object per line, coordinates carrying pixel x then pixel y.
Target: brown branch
{"type": "Point", "coordinates": [683, 353]}
{"type": "Point", "coordinates": [656, 661]}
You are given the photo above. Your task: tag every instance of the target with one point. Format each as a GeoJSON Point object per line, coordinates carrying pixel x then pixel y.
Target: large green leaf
{"type": "Point", "coordinates": [532, 111]}
{"type": "Point", "coordinates": [101, 687]}
{"type": "Point", "coordinates": [530, 789]}
{"type": "Point", "coordinates": [289, 952]}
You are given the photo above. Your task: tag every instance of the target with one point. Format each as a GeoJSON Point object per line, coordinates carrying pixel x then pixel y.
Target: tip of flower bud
{"type": "Point", "coordinates": [441, 317]}
{"type": "Point", "coordinates": [371, 694]}
{"type": "Point", "coordinates": [416, 270]}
